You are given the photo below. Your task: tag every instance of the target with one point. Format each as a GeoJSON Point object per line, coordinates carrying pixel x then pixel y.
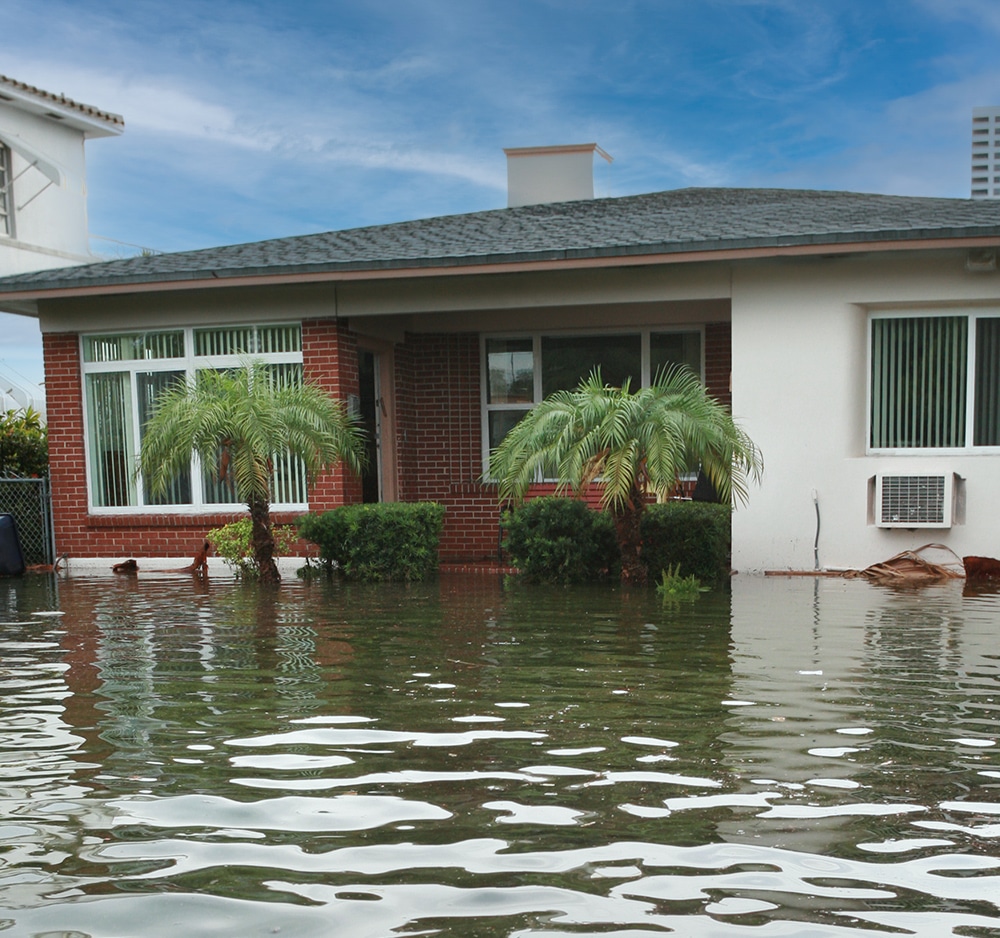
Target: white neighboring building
{"type": "Point", "coordinates": [43, 186]}
{"type": "Point", "coordinates": [43, 193]}
{"type": "Point", "coordinates": [986, 153]}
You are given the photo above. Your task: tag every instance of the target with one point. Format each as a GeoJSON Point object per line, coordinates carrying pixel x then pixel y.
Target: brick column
{"type": "Point", "coordinates": [67, 455]}
{"type": "Point", "coordinates": [330, 361]}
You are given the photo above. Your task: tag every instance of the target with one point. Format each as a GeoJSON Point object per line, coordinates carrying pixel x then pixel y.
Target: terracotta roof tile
{"type": "Point", "coordinates": [60, 100]}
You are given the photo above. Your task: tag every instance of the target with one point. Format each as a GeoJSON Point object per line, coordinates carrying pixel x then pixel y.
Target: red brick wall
{"type": "Point", "coordinates": [67, 459]}
{"type": "Point", "coordinates": [438, 444]}
{"type": "Point", "coordinates": [330, 361]}
{"type": "Point", "coordinates": [439, 440]}
{"type": "Point", "coordinates": [78, 534]}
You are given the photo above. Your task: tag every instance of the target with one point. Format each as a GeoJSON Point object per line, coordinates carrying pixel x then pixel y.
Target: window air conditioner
{"type": "Point", "coordinates": [914, 501]}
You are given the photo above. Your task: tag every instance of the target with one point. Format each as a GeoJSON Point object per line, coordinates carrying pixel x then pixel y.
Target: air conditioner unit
{"type": "Point", "coordinates": [914, 501]}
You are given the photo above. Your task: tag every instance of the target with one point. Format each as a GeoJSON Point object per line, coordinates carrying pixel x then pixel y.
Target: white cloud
{"type": "Point", "coordinates": [981, 13]}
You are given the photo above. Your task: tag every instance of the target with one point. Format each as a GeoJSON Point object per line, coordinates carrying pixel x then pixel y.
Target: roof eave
{"type": "Point", "coordinates": [89, 120]}
{"type": "Point", "coordinates": [570, 259]}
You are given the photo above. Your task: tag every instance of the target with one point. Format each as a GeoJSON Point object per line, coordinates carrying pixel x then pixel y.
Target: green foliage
{"type": "Point", "coordinates": [24, 444]}
{"type": "Point", "coordinates": [561, 540]}
{"type": "Point", "coordinates": [693, 537]}
{"type": "Point", "coordinates": [634, 441]}
{"type": "Point", "coordinates": [634, 444]}
{"type": "Point", "coordinates": [237, 421]}
{"type": "Point", "coordinates": [388, 541]}
{"type": "Point", "coordinates": [233, 542]}
{"type": "Point", "coordinates": [673, 586]}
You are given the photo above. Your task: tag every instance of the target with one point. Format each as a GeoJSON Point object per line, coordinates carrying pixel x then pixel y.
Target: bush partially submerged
{"type": "Point", "coordinates": [674, 587]}
{"type": "Point", "coordinates": [690, 538]}
{"type": "Point", "coordinates": [561, 540]}
{"type": "Point", "coordinates": [388, 541]}
{"type": "Point", "coordinates": [233, 542]}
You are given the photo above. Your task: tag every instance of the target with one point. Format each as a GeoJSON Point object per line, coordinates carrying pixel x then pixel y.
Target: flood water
{"type": "Point", "coordinates": [469, 758]}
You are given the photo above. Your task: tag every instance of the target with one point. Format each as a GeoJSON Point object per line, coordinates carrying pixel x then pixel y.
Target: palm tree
{"type": "Point", "coordinates": [634, 444]}
{"type": "Point", "coordinates": [237, 422]}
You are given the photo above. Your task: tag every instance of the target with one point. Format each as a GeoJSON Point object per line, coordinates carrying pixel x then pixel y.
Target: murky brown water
{"type": "Point", "coordinates": [797, 759]}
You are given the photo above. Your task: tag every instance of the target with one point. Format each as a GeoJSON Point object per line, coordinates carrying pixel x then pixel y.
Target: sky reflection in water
{"type": "Point", "coordinates": [467, 758]}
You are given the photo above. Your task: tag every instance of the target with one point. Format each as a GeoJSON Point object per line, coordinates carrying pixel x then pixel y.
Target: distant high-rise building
{"type": "Point", "coordinates": [986, 153]}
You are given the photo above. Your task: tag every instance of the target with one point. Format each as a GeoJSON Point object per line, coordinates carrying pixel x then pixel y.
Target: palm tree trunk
{"type": "Point", "coordinates": [262, 541]}
{"type": "Point", "coordinates": [628, 518]}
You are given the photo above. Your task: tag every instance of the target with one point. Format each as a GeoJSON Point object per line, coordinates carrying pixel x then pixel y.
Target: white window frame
{"type": "Point", "coordinates": [190, 364]}
{"type": "Point", "coordinates": [644, 333]}
{"type": "Point", "coordinates": [6, 192]}
{"type": "Point", "coordinates": [972, 316]}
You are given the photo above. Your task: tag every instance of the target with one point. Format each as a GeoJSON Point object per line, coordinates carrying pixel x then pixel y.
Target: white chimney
{"type": "Point", "coordinates": [536, 175]}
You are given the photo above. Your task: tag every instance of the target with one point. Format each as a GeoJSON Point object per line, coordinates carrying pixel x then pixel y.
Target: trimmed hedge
{"type": "Point", "coordinates": [691, 537]}
{"type": "Point", "coordinates": [386, 541]}
{"type": "Point", "coordinates": [561, 540]}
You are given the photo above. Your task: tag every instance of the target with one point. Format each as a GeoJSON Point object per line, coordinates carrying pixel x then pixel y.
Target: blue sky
{"type": "Point", "coordinates": [247, 120]}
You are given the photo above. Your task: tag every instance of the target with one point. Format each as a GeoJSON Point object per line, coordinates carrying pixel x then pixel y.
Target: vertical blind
{"type": "Point", "coordinates": [149, 386]}
{"type": "Point", "coordinates": [288, 474]}
{"type": "Point", "coordinates": [139, 346]}
{"type": "Point", "coordinates": [109, 422]}
{"type": "Point", "coordinates": [248, 340]}
{"type": "Point", "coordinates": [987, 389]}
{"type": "Point", "coordinates": [120, 402]}
{"type": "Point", "coordinates": [919, 382]}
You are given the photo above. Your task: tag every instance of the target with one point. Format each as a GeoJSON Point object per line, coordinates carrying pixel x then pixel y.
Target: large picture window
{"type": "Point", "coordinates": [520, 371]}
{"type": "Point", "coordinates": [934, 381]}
{"type": "Point", "coordinates": [123, 376]}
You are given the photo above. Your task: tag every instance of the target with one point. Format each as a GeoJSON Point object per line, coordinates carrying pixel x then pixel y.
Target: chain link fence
{"type": "Point", "coordinates": [29, 501]}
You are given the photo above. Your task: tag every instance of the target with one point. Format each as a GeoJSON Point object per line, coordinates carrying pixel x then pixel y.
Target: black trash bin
{"type": "Point", "coordinates": [11, 558]}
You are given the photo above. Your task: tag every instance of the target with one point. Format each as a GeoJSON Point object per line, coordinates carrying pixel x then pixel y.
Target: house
{"type": "Point", "coordinates": [856, 337]}
{"type": "Point", "coordinates": [43, 190]}
{"type": "Point", "coordinates": [43, 193]}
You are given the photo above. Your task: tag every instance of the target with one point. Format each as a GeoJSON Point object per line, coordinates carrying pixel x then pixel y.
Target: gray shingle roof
{"type": "Point", "coordinates": [676, 221]}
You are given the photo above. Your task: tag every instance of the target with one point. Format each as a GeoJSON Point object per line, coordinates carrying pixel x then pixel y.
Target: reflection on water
{"type": "Point", "coordinates": [798, 758]}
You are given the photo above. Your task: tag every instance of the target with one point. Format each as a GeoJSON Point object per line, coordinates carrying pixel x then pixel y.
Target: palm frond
{"type": "Point", "coordinates": [245, 414]}
{"type": "Point", "coordinates": [640, 441]}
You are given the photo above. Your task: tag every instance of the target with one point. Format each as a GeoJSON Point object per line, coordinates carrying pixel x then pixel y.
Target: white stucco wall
{"type": "Point", "coordinates": [50, 228]}
{"type": "Point", "coordinates": [799, 389]}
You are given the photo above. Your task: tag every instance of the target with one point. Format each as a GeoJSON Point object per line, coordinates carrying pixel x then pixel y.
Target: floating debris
{"type": "Point", "coordinates": [910, 566]}
{"type": "Point", "coordinates": [981, 568]}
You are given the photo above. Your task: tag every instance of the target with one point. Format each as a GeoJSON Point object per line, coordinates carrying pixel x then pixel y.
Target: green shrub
{"type": "Point", "coordinates": [387, 541]}
{"type": "Point", "coordinates": [24, 445]}
{"type": "Point", "coordinates": [561, 540]}
{"type": "Point", "coordinates": [232, 542]}
{"type": "Point", "coordinates": [674, 587]}
{"type": "Point", "coordinates": [690, 538]}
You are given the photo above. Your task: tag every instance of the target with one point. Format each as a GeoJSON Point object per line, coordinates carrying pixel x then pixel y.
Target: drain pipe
{"type": "Point", "coordinates": [815, 497]}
